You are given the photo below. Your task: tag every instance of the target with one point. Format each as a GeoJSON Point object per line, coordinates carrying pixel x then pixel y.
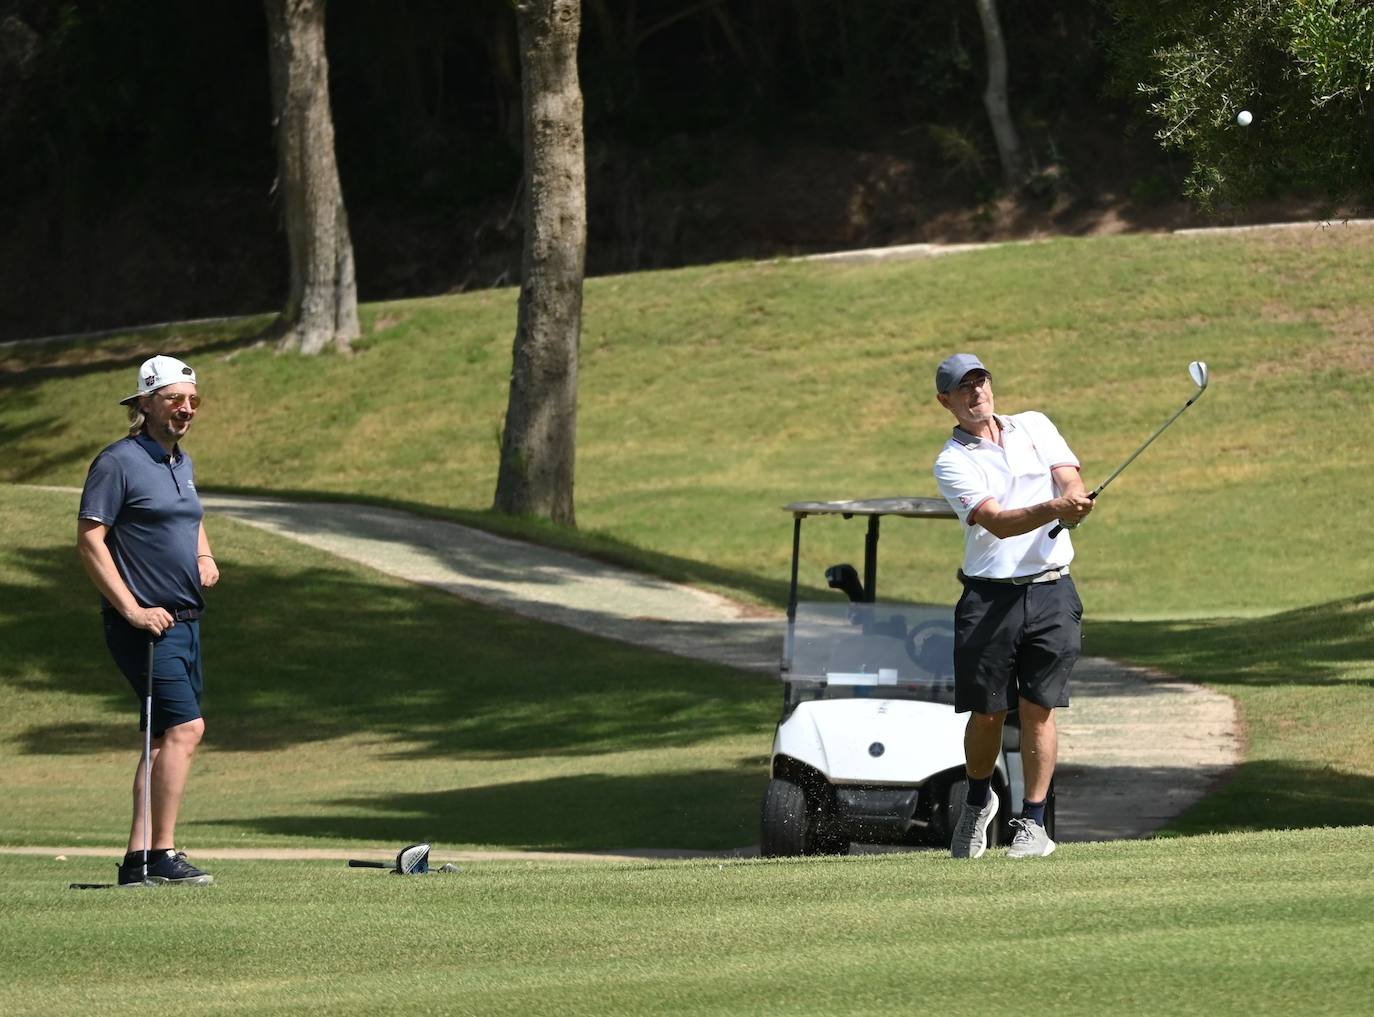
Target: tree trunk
{"type": "Point", "coordinates": [538, 443]}
{"type": "Point", "coordinates": [322, 304]}
{"type": "Point", "coordinates": [995, 97]}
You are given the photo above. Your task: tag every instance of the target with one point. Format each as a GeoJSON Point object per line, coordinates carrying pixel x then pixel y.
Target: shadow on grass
{"type": "Point", "coordinates": [1326, 644]}
{"type": "Point", "coordinates": [703, 810]}
{"type": "Point", "coordinates": [27, 363]}
{"type": "Point", "coordinates": [301, 654]}
{"type": "Point", "coordinates": [1269, 795]}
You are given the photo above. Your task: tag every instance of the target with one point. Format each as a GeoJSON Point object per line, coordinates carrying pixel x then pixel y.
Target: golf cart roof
{"type": "Point", "coordinates": [930, 508]}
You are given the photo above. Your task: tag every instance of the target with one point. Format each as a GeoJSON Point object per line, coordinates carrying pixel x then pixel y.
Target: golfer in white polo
{"type": "Point", "coordinates": [1017, 625]}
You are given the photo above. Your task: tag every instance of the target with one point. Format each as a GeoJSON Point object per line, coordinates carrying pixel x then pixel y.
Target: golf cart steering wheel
{"type": "Point", "coordinates": [912, 650]}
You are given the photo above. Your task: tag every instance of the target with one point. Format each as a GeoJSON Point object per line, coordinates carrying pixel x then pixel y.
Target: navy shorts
{"type": "Point", "coordinates": [1012, 641]}
{"type": "Point", "coordinates": [177, 678]}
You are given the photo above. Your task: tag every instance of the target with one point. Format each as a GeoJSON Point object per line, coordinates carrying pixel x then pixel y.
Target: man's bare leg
{"type": "Point", "coordinates": [982, 743]}
{"type": "Point", "coordinates": [1039, 748]}
{"type": "Point", "coordinates": [172, 755]}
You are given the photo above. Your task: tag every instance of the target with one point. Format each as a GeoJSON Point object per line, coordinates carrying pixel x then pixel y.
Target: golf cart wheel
{"type": "Point", "coordinates": [786, 824]}
{"type": "Point", "coordinates": [794, 825]}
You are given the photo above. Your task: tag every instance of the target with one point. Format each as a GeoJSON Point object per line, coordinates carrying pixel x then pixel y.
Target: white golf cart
{"type": "Point", "coordinates": [869, 749]}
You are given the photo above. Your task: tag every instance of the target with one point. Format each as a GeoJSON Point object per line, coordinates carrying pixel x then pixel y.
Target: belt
{"type": "Point", "coordinates": [177, 613]}
{"type": "Point", "coordinates": [1048, 576]}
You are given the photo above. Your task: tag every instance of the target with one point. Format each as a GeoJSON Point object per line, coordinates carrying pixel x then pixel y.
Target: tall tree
{"type": "Point", "coordinates": [322, 302]}
{"type": "Point", "coordinates": [995, 100]}
{"type": "Point", "coordinates": [538, 444]}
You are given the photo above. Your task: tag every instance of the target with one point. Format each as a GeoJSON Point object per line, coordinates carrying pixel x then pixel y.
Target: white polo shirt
{"type": "Point", "coordinates": [971, 470]}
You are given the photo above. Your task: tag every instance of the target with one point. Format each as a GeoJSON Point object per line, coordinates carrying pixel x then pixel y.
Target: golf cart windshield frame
{"type": "Point", "coordinates": [874, 509]}
{"type": "Point", "coordinates": [865, 647]}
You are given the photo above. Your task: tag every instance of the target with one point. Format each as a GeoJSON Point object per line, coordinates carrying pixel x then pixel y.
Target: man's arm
{"type": "Point", "coordinates": [1068, 481]}
{"type": "Point", "coordinates": [99, 565]}
{"type": "Point", "coordinates": [205, 561]}
{"type": "Point", "coordinates": [1071, 508]}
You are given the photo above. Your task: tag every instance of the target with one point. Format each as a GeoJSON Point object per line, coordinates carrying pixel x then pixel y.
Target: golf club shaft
{"type": "Point", "coordinates": [1103, 486]}
{"type": "Point", "coordinates": [353, 863]}
{"type": "Point", "coordinates": [148, 760]}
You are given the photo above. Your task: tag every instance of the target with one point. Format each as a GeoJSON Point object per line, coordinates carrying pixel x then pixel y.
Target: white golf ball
{"type": "Point", "coordinates": [1243, 118]}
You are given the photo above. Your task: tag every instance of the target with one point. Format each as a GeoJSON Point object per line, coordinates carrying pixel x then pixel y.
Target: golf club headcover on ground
{"type": "Point", "coordinates": [412, 860]}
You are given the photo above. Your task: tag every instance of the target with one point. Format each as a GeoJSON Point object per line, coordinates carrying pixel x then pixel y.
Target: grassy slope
{"type": "Point", "coordinates": [711, 396]}
{"type": "Point", "coordinates": [1242, 924]}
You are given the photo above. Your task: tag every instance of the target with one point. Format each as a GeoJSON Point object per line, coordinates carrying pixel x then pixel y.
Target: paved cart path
{"type": "Point", "coordinates": [1136, 748]}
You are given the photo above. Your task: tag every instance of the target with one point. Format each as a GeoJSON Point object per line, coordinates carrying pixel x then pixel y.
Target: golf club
{"type": "Point", "coordinates": [148, 760]}
{"type": "Point", "coordinates": [147, 777]}
{"type": "Point", "coordinates": [1198, 371]}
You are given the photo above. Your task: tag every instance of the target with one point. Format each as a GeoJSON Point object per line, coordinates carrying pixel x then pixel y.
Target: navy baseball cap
{"type": "Point", "coordinates": [952, 371]}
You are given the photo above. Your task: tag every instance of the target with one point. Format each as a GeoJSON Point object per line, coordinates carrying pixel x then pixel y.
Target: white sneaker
{"type": "Point", "coordinates": [971, 835]}
{"type": "Point", "coordinates": [1031, 840]}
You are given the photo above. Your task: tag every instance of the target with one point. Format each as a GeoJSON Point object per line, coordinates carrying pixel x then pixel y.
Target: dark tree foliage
{"type": "Point", "coordinates": [137, 133]}
{"type": "Point", "coordinates": [1302, 68]}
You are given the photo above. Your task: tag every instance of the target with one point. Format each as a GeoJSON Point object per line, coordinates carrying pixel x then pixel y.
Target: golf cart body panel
{"type": "Point", "coordinates": [900, 739]}
{"type": "Point", "coordinates": [869, 747]}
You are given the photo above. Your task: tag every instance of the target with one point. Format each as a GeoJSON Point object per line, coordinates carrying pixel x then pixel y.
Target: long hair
{"type": "Point", "coordinates": [136, 420]}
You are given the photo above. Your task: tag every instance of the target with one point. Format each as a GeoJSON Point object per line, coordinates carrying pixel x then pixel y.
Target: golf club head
{"type": "Point", "coordinates": [413, 860]}
{"type": "Point", "coordinates": [1198, 370]}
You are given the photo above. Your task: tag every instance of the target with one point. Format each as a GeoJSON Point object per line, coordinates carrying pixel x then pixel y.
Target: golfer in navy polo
{"type": "Point", "coordinates": [1017, 626]}
{"type": "Point", "coordinates": [142, 542]}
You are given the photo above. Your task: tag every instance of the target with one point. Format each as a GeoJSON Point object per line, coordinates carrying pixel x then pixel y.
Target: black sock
{"type": "Point", "coordinates": [979, 789]}
{"type": "Point", "coordinates": [1033, 810]}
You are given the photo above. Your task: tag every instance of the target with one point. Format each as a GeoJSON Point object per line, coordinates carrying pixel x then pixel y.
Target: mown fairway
{"type": "Point", "coordinates": [1237, 924]}
{"type": "Point", "coordinates": [347, 708]}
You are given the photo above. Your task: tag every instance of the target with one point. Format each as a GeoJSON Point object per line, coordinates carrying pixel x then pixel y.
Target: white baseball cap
{"type": "Point", "coordinates": [157, 372]}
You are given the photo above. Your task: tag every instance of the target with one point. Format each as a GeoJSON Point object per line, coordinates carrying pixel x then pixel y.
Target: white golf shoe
{"type": "Point", "coordinates": [971, 835]}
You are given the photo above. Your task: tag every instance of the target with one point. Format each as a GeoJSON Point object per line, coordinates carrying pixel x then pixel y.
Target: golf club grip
{"type": "Point", "coordinates": [1059, 526]}
{"type": "Point", "coordinates": [353, 863]}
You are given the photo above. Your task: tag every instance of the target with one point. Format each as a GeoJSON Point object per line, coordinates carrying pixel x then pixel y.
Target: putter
{"type": "Point", "coordinates": [148, 760]}
{"type": "Point", "coordinates": [147, 777]}
{"type": "Point", "coordinates": [410, 861]}
{"type": "Point", "coordinates": [1198, 371]}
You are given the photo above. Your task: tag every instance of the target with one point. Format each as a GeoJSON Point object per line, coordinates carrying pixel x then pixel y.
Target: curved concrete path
{"type": "Point", "coordinates": [1136, 749]}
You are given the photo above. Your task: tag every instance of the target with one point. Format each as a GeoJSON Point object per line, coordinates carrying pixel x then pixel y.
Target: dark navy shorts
{"type": "Point", "coordinates": [177, 678]}
{"type": "Point", "coordinates": [1012, 641]}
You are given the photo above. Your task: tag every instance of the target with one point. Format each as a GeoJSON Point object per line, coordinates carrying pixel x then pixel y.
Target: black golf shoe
{"type": "Point", "coordinates": [165, 867]}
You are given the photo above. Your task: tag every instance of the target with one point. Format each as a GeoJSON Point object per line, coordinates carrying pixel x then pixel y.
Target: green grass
{"type": "Point", "coordinates": [1240, 924]}
{"type": "Point", "coordinates": [711, 396]}
{"type": "Point", "coordinates": [1231, 553]}
{"type": "Point", "coordinates": [347, 707]}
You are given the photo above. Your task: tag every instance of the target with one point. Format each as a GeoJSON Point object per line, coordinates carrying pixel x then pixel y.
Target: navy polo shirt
{"type": "Point", "coordinates": [149, 502]}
